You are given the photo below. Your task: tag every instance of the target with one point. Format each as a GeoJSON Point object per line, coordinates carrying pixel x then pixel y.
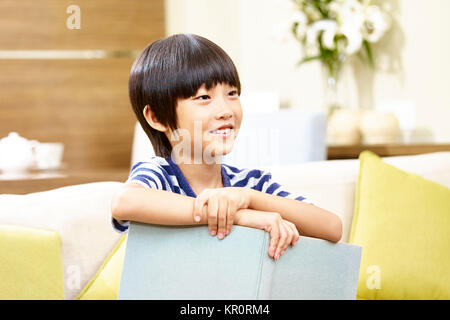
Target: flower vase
{"type": "Point", "coordinates": [342, 121]}
{"type": "Point", "coordinates": [331, 96]}
{"type": "Point", "coordinates": [331, 75]}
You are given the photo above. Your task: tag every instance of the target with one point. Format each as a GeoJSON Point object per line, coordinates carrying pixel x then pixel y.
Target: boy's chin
{"type": "Point", "coordinates": [221, 151]}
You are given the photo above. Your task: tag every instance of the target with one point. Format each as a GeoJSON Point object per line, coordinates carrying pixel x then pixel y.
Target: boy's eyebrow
{"type": "Point", "coordinates": [203, 89]}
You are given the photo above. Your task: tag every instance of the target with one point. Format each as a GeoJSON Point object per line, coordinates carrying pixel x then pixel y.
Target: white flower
{"type": "Point", "coordinates": [312, 13]}
{"type": "Point", "coordinates": [301, 20]}
{"type": "Point", "coordinates": [348, 12]}
{"type": "Point", "coordinates": [349, 23]}
{"type": "Point", "coordinates": [328, 36]}
{"type": "Point", "coordinates": [300, 17]}
{"type": "Point", "coordinates": [376, 24]}
{"type": "Point", "coordinates": [312, 49]}
{"type": "Point", "coordinates": [354, 38]}
{"type": "Point", "coordinates": [329, 28]}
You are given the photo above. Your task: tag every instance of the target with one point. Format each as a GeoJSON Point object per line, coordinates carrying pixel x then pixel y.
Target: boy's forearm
{"type": "Point", "coordinates": [153, 206]}
{"type": "Point", "coordinates": [166, 208]}
{"type": "Point", "coordinates": [310, 220]}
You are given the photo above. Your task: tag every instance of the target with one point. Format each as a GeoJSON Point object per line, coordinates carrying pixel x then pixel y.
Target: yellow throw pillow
{"type": "Point", "coordinates": [105, 284]}
{"type": "Point", "coordinates": [30, 264]}
{"type": "Point", "coordinates": [402, 221]}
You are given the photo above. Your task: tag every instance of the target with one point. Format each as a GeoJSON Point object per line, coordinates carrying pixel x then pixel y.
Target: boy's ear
{"type": "Point", "coordinates": [152, 121]}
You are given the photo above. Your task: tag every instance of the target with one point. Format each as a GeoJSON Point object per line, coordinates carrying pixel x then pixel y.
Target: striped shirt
{"type": "Point", "coordinates": [164, 174]}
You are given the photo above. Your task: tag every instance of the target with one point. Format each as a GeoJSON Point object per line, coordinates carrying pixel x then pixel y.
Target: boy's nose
{"type": "Point", "coordinates": [223, 110]}
{"type": "Point", "coordinates": [225, 113]}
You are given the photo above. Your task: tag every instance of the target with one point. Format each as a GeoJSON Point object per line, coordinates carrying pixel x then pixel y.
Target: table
{"type": "Point", "coordinates": [384, 150]}
{"type": "Point", "coordinates": [36, 181]}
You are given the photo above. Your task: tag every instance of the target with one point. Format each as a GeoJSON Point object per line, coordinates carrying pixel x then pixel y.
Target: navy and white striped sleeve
{"type": "Point", "coordinates": [267, 185]}
{"type": "Point", "coordinates": [148, 175]}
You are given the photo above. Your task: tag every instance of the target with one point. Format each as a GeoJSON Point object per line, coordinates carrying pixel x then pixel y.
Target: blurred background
{"type": "Point", "coordinates": [64, 69]}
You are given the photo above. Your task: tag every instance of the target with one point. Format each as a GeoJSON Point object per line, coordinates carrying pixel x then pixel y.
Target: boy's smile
{"type": "Point", "coordinates": [224, 131]}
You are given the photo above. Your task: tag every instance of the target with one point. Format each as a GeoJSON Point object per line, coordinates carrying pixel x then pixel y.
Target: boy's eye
{"type": "Point", "coordinates": [204, 97]}
{"type": "Point", "coordinates": [234, 92]}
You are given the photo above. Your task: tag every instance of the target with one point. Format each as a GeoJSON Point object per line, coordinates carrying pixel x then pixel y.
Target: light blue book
{"type": "Point", "coordinates": [187, 263]}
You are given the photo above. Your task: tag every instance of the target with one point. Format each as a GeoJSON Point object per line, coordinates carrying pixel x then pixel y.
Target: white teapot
{"type": "Point", "coordinates": [16, 153]}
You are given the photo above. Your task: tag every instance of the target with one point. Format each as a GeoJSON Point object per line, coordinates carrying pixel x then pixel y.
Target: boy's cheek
{"type": "Point", "coordinates": [208, 137]}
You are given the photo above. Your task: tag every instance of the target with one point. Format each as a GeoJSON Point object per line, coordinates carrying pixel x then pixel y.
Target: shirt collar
{"type": "Point", "coordinates": [184, 184]}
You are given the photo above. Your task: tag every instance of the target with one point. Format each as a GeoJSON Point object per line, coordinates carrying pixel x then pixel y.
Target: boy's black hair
{"type": "Point", "coordinates": [175, 68]}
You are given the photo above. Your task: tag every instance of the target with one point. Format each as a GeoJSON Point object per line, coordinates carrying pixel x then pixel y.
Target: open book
{"type": "Point", "coordinates": [187, 263]}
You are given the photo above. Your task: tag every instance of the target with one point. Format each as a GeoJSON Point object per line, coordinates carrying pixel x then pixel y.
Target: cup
{"type": "Point", "coordinates": [48, 155]}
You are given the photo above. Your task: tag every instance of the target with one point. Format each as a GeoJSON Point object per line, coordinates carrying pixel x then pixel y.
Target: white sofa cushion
{"type": "Point", "coordinates": [331, 184]}
{"type": "Point", "coordinates": [80, 214]}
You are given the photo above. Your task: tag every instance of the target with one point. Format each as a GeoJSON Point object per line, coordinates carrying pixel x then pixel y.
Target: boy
{"type": "Point", "coordinates": [185, 86]}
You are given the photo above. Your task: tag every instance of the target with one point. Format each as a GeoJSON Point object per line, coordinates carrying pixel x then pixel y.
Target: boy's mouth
{"type": "Point", "coordinates": [223, 131]}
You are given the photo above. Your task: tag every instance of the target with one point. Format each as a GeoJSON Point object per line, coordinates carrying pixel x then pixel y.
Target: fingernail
{"type": "Point", "coordinates": [220, 235]}
{"type": "Point", "coordinates": [197, 218]}
{"type": "Point", "coordinates": [213, 232]}
{"type": "Point", "coordinates": [282, 252]}
{"type": "Point", "coordinates": [228, 231]}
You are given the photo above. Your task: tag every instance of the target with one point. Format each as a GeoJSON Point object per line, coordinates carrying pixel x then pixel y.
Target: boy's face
{"type": "Point", "coordinates": [201, 115]}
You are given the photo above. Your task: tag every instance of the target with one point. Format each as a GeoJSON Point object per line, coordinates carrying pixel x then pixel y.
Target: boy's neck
{"type": "Point", "coordinates": [202, 176]}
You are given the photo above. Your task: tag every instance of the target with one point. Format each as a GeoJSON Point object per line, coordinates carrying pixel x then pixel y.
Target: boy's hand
{"type": "Point", "coordinates": [282, 232]}
{"type": "Point", "coordinates": [222, 205]}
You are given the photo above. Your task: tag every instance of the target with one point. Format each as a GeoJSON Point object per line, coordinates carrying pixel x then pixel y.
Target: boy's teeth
{"type": "Point", "coordinates": [221, 131]}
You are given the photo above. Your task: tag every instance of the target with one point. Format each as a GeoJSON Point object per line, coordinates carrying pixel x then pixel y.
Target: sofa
{"type": "Point", "coordinates": [80, 214]}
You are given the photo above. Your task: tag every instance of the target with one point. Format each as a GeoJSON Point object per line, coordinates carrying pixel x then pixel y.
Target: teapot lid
{"type": "Point", "coordinates": [14, 139]}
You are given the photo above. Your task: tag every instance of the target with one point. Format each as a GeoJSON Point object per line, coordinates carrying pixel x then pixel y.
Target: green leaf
{"type": "Point", "coordinates": [308, 59]}
{"type": "Point", "coordinates": [369, 53]}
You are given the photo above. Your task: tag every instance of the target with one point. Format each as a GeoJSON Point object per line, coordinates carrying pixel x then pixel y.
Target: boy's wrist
{"type": "Point", "coordinates": [249, 194]}
{"type": "Point", "coordinates": [240, 217]}
{"type": "Point", "coordinates": [253, 218]}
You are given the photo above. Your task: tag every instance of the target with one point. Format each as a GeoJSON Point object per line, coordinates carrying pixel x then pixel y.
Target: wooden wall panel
{"type": "Point", "coordinates": [105, 24]}
{"type": "Point", "coordinates": [82, 103]}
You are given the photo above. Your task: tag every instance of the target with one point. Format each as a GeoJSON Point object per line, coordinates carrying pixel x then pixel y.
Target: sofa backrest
{"type": "Point", "coordinates": [331, 184]}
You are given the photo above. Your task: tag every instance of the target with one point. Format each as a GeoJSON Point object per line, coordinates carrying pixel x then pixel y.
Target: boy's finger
{"type": "Point", "coordinates": [274, 239]}
{"type": "Point", "coordinates": [290, 238]}
{"type": "Point", "coordinates": [205, 211]}
{"type": "Point", "coordinates": [200, 202]}
{"type": "Point", "coordinates": [230, 218]}
{"type": "Point", "coordinates": [222, 218]}
{"type": "Point", "coordinates": [281, 242]}
{"type": "Point", "coordinates": [296, 234]}
{"type": "Point", "coordinates": [291, 235]}
{"type": "Point", "coordinates": [212, 215]}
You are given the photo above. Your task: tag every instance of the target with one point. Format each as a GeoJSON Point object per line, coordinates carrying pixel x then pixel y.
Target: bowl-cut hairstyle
{"type": "Point", "coordinates": [175, 68]}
